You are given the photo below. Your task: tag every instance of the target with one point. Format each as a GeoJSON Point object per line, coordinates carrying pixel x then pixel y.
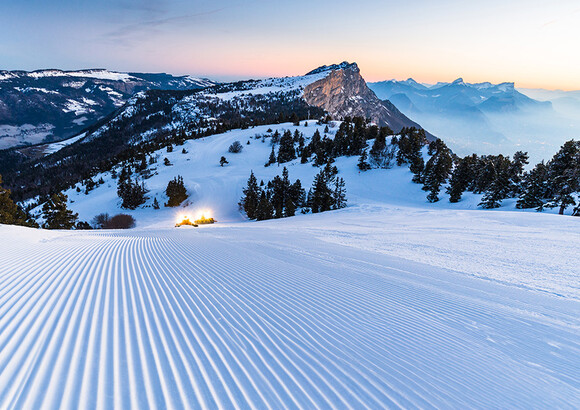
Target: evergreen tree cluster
{"type": "Point", "coordinates": [328, 192]}
{"type": "Point", "coordinates": [130, 190]}
{"type": "Point", "coordinates": [350, 139]}
{"type": "Point", "coordinates": [555, 184]}
{"type": "Point", "coordinates": [496, 176]}
{"type": "Point", "coordinates": [56, 214]}
{"type": "Point", "coordinates": [175, 191]}
{"type": "Point", "coordinates": [278, 199]}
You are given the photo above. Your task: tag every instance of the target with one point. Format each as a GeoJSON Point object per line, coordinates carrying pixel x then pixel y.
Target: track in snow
{"type": "Point", "coordinates": [230, 317]}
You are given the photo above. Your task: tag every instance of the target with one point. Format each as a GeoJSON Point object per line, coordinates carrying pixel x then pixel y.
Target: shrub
{"type": "Point", "coordinates": [120, 221]}
{"type": "Point", "coordinates": [100, 221]}
{"type": "Point", "coordinates": [236, 147]}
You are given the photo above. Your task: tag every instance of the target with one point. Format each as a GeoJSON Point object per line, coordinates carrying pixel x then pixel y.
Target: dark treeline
{"type": "Point", "coordinates": [547, 185]}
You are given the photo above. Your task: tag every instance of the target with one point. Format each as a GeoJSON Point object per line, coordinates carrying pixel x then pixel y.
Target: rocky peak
{"type": "Point", "coordinates": [345, 65]}
{"type": "Point", "coordinates": [344, 92]}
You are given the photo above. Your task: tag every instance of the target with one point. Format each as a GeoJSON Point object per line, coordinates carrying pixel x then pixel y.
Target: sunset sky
{"type": "Point", "coordinates": [533, 43]}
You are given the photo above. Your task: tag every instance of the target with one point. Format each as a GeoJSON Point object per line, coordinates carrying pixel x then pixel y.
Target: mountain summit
{"type": "Point", "coordinates": [344, 92]}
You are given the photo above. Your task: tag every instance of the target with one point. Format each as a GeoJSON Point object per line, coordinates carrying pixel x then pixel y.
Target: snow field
{"type": "Point", "coordinates": [391, 302]}
{"type": "Point", "coordinates": [264, 316]}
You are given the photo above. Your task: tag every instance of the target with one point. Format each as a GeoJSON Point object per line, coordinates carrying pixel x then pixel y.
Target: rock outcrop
{"type": "Point", "coordinates": [345, 93]}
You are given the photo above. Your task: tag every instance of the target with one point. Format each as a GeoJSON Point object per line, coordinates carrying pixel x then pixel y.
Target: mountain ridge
{"type": "Point", "coordinates": [53, 105]}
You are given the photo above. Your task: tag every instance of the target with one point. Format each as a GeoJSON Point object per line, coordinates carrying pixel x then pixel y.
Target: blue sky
{"type": "Point", "coordinates": [530, 42]}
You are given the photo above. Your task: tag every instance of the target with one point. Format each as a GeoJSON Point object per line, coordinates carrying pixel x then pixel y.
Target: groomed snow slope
{"type": "Point", "coordinates": [268, 315]}
{"type": "Point", "coordinates": [391, 302]}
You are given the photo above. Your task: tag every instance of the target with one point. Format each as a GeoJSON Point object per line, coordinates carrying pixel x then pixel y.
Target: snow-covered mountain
{"type": "Point", "coordinates": [484, 118]}
{"type": "Point", "coordinates": [52, 105]}
{"type": "Point", "coordinates": [154, 115]}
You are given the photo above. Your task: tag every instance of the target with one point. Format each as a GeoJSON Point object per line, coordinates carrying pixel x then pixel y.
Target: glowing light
{"type": "Point", "coordinates": [203, 213]}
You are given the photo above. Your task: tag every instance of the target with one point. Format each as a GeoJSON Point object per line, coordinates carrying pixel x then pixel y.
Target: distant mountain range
{"type": "Point", "coordinates": [484, 117]}
{"type": "Point", "coordinates": [52, 105]}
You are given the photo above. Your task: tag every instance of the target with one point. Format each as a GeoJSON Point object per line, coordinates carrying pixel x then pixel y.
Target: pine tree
{"type": "Point", "coordinates": [272, 158]}
{"type": "Point", "coordinates": [363, 165]}
{"type": "Point", "coordinates": [295, 198]}
{"type": "Point", "coordinates": [516, 172]}
{"type": "Point", "coordinates": [10, 213]}
{"type": "Point", "coordinates": [176, 192]}
{"type": "Point", "coordinates": [410, 145]}
{"type": "Point", "coordinates": [56, 214]}
{"type": "Point", "coordinates": [322, 195]}
{"type": "Point", "coordinates": [497, 191]}
{"type": "Point", "coordinates": [265, 209]}
{"type": "Point", "coordinates": [501, 184]}
{"type": "Point", "coordinates": [131, 192]}
{"type": "Point", "coordinates": [155, 203]}
{"type": "Point", "coordinates": [534, 188]}
{"type": "Point", "coordinates": [279, 189]}
{"type": "Point", "coordinates": [339, 197]}
{"type": "Point", "coordinates": [564, 176]}
{"type": "Point", "coordinates": [286, 151]}
{"type": "Point", "coordinates": [305, 155]}
{"type": "Point", "coordinates": [437, 170]}
{"type": "Point", "coordinates": [377, 152]}
{"type": "Point", "coordinates": [460, 179]}
{"type": "Point", "coordinates": [251, 197]}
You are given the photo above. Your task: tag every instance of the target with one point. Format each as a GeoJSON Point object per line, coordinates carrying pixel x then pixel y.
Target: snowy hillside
{"type": "Point", "coordinates": [52, 105]}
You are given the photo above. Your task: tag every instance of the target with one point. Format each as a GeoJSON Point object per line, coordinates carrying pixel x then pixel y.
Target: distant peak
{"type": "Point", "coordinates": [506, 87]}
{"type": "Point", "coordinates": [459, 81]}
{"type": "Point", "coordinates": [342, 66]}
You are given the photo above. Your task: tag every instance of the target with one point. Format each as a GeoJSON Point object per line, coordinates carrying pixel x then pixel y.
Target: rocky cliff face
{"type": "Point", "coordinates": [345, 93]}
